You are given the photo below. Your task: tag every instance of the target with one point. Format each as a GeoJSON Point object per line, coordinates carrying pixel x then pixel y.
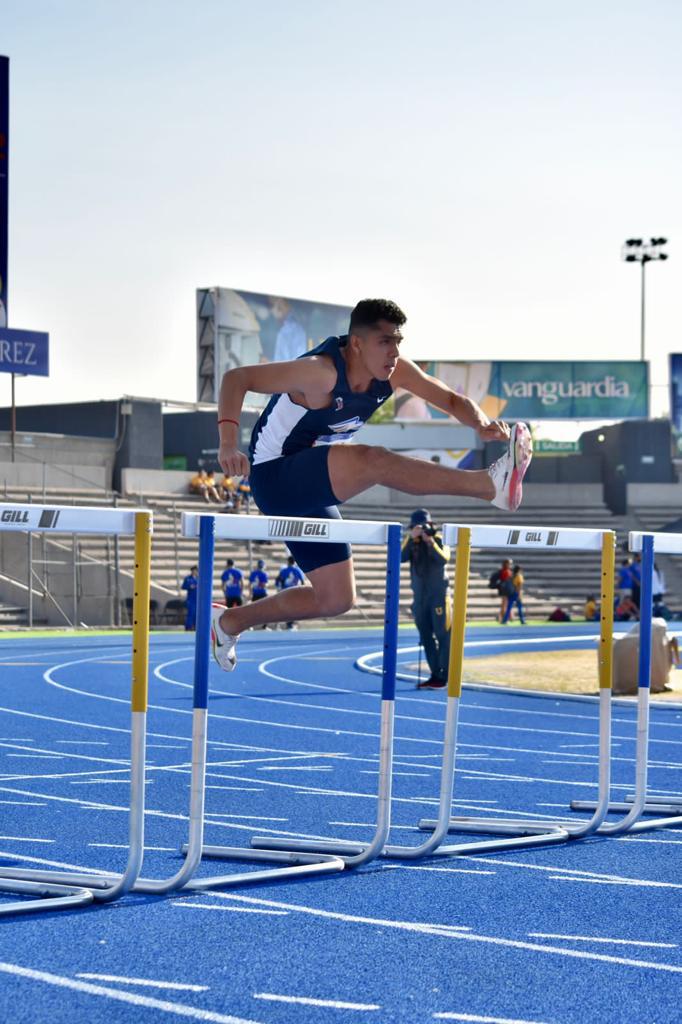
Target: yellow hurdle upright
{"type": "Point", "coordinates": [141, 597]}
{"type": "Point", "coordinates": [63, 889]}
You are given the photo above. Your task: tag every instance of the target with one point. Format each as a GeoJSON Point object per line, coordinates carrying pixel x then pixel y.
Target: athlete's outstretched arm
{"type": "Point", "coordinates": [408, 375]}
{"type": "Point", "coordinates": [314, 377]}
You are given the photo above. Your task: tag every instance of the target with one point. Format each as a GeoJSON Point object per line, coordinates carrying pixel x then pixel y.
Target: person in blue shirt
{"type": "Point", "coordinates": [233, 584]}
{"type": "Point", "coordinates": [289, 576]}
{"type": "Point", "coordinates": [190, 584]}
{"type": "Point", "coordinates": [259, 581]}
{"type": "Point", "coordinates": [624, 579]}
{"type": "Point", "coordinates": [301, 462]}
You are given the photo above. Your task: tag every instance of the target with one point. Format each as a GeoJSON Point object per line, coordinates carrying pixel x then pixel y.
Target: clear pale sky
{"type": "Point", "coordinates": [481, 164]}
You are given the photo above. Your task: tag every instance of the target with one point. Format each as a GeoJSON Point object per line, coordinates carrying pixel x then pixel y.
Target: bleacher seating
{"type": "Point", "coordinates": [551, 579]}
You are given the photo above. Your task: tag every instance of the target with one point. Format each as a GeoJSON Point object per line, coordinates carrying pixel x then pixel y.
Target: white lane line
{"type": "Point", "coordinates": [237, 910]}
{"type": "Point", "coordinates": [446, 931]}
{"type": "Point", "coordinates": [332, 1004]}
{"type": "Point", "coordinates": [296, 768]}
{"type": "Point", "coordinates": [482, 1020]}
{"type": "Point", "coordinates": [23, 803]}
{"type": "Point", "coordinates": [178, 985]}
{"type": "Point", "coordinates": [238, 789]}
{"type": "Point", "coordinates": [614, 881]}
{"type": "Point", "coordinates": [595, 938]}
{"type": "Point", "coordinates": [454, 871]}
{"type": "Point", "coordinates": [574, 873]}
{"type": "Point", "coordinates": [25, 839]}
{"type": "Point", "coordinates": [122, 997]}
{"type": "Point", "coordinates": [40, 757]}
{"type": "Point", "coordinates": [125, 846]}
{"type": "Point", "coordinates": [85, 743]}
{"type": "Point", "coordinates": [40, 751]}
{"type": "Point", "coordinates": [107, 782]}
{"type": "Point", "coordinates": [245, 817]}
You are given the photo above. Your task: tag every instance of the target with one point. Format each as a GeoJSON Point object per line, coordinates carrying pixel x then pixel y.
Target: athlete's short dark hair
{"type": "Point", "coordinates": [369, 311]}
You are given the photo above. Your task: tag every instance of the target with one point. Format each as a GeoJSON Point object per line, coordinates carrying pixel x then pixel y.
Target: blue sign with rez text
{"type": "Point", "coordinates": [24, 352]}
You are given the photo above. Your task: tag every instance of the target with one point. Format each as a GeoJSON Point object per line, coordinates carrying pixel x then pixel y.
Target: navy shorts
{"type": "Point", "coordinates": [298, 485]}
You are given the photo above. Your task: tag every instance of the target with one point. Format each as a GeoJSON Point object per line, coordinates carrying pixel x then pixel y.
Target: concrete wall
{"type": "Point", "coordinates": [56, 460]}
{"type": "Point", "coordinates": [149, 481]}
{"type": "Point", "coordinates": [534, 495]}
{"type": "Point", "coordinates": [654, 494]}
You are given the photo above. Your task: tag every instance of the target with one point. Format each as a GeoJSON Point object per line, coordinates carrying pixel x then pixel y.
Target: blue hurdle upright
{"type": "Point", "coordinates": [300, 861]}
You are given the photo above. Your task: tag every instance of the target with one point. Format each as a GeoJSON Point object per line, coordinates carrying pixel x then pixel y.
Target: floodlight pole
{"type": "Point", "coordinates": [13, 421]}
{"type": "Point", "coordinates": [642, 330]}
{"type": "Point", "coordinates": [643, 251]}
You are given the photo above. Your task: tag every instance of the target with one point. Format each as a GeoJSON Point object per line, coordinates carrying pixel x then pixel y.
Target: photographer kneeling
{"type": "Point", "coordinates": [423, 549]}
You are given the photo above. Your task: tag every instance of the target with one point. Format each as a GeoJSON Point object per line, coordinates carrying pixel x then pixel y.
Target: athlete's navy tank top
{"type": "Point", "coordinates": [284, 427]}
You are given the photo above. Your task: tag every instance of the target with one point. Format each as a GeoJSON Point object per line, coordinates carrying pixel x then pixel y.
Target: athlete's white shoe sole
{"type": "Point", "coordinates": [223, 645]}
{"type": "Point", "coordinates": [507, 472]}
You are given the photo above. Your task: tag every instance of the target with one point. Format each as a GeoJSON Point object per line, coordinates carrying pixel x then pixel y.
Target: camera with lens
{"type": "Point", "coordinates": [429, 529]}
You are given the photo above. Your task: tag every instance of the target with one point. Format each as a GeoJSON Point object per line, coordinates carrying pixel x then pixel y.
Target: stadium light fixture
{"type": "Point", "coordinates": [643, 251]}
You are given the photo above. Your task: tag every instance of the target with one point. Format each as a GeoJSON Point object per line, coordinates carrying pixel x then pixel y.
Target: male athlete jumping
{"type": "Point", "coordinates": [301, 464]}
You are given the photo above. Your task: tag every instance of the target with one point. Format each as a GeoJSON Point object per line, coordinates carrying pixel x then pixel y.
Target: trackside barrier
{"type": "Point", "coordinates": [522, 833]}
{"type": "Point", "coordinates": [298, 861]}
{"type": "Point", "coordinates": [61, 890]}
{"type": "Point", "coordinates": [646, 544]}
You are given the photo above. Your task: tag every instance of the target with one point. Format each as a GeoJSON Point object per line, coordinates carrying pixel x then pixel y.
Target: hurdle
{"type": "Point", "coordinates": [646, 544]}
{"type": "Point", "coordinates": [320, 531]}
{"type": "Point", "coordinates": [517, 833]}
{"type": "Point", "coordinates": [62, 890]}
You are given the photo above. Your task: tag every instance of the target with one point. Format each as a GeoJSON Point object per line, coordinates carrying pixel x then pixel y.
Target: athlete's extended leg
{"type": "Point", "coordinates": [331, 592]}
{"type": "Point", "coordinates": [355, 468]}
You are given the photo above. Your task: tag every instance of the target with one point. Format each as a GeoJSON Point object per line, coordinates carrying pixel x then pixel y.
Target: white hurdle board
{"type": "Point", "coordinates": [664, 543]}
{"type": "Point", "coordinates": [284, 528]}
{"type": "Point", "coordinates": [68, 519]}
{"type": "Point", "coordinates": [538, 537]}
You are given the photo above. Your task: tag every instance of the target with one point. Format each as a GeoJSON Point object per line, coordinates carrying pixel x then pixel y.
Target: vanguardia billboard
{"type": "Point", "coordinates": [538, 390]}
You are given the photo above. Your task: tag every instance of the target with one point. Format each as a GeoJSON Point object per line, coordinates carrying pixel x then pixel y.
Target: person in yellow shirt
{"type": "Point", "coordinates": [516, 596]}
{"type": "Point", "coordinates": [204, 484]}
{"type": "Point", "coordinates": [591, 609]}
{"type": "Point", "coordinates": [227, 489]}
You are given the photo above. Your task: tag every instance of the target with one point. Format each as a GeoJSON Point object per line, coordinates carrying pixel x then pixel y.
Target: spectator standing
{"type": "Point", "coordinates": [591, 609]}
{"type": "Point", "coordinates": [624, 579]}
{"type": "Point", "coordinates": [232, 580]}
{"type": "Point", "coordinates": [258, 580]}
{"type": "Point", "coordinates": [502, 579]}
{"type": "Point", "coordinates": [515, 595]}
{"type": "Point", "coordinates": [657, 585]}
{"type": "Point", "coordinates": [289, 576]}
{"type": "Point", "coordinates": [189, 585]}
{"type": "Point", "coordinates": [423, 548]}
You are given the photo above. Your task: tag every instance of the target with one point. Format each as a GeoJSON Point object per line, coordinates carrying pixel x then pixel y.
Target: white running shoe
{"type": "Point", "coordinates": [224, 646]}
{"type": "Point", "coordinates": [507, 472]}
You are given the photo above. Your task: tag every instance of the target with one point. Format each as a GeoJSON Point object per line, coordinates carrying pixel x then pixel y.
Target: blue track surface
{"type": "Point", "coordinates": [588, 930]}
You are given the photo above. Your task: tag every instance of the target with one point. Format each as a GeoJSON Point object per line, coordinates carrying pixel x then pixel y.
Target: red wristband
{"type": "Point", "coordinates": [228, 420]}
